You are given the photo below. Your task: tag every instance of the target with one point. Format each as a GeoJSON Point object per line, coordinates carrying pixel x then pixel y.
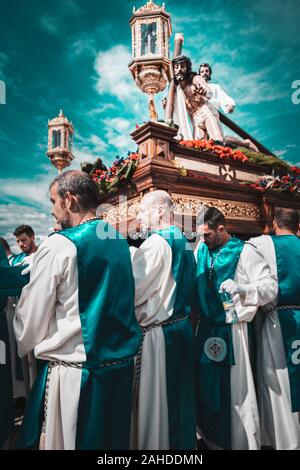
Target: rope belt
{"type": "Point", "coordinates": [74, 365]}
{"type": "Point", "coordinates": [287, 307]}
{"type": "Point", "coordinates": [267, 310]}
{"type": "Point", "coordinates": [137, 372]}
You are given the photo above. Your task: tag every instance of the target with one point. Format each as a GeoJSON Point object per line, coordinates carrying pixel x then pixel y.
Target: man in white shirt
{"type": "Point", "coordinates": [220, 100]}
{"type": "Point", "coordinates": [77, 313]}
{"type": "Point", "coordinates": [278, 333]}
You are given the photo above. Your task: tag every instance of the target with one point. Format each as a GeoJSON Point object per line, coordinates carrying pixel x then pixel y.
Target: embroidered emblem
{"type": "Point", "coordinates": [215, 348]}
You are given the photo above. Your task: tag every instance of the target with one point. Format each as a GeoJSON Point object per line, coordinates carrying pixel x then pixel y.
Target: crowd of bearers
{"type": "Point", "coordinates": [120, 365]}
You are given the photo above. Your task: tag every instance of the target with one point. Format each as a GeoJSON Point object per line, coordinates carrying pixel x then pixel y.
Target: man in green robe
{"type": "Point", "coordinates": [227, 411]}
{"type": "Point", "coordinates": [77, 313]}
{"type": "Point", "coordinates": [6, 396]}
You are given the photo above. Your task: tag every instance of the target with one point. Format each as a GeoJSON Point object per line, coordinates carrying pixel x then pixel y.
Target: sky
{"type": "Point", "coordinates": [74, 54]}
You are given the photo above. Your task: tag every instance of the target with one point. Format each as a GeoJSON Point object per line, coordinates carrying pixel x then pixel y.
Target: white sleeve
{"type": "Point", "coordinates": [224, 99]}
{"type": "Point", "coordinates": [37, 302]}
{"type": "Point", "coordinates": [151, 265]}
{"type": "Point", "coordinates": [260, 286]}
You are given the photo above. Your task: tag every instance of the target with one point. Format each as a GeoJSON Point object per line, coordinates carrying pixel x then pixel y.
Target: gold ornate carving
{"type": "Point", "coordinates": [119, 213]}
{"type": "Point", "coordinates": [234, 210]}
{"type": "Point", "coordinates": [185, 205]}
{"type": "Point", "coordinates": [150, 6]}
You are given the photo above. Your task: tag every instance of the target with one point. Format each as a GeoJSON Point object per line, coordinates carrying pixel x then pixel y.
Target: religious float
{"type": "Point", "coordinates": [246, 185]}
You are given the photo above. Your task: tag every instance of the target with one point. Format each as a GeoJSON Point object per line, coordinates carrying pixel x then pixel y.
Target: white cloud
{"type": "Point", "coordinates": [50, 24]}
{"type": "Point", "coordinates": [55, 25]}
{"type": "Point", "coordinates": [101, 109]}
{"type": "Point", "coordinates": [112, 69]}
{"type": "Point", "coordinates": [115, 79]}
{"type": "Point", "coordinates": [248, 87]}
{"type": "Point", "coordinates": [98, 143]}
{"type": "Point", "coordinates": [89, 149]}
{"type": "Point", "coordinates": [34, 191]}
{"type": "Point", "coordinates": [82, 46]}
{"type": "Point", "coordinates": [117, 133]}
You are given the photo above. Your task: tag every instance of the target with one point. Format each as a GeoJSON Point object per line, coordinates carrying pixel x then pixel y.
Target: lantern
{"type": "Point", "coordinates": [60, 141]}
{"type": "Point", "coordinates": [150, 65]}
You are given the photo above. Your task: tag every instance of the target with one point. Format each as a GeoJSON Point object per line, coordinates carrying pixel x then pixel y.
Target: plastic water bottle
{"type": "Point", "coordinates": [228, 305]}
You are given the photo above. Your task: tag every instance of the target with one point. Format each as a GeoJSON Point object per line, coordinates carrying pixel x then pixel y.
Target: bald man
{"type": "Point", "coordinates": [164, 272]}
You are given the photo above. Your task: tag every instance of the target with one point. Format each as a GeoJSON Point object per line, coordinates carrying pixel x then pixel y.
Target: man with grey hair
{"type": "Point", "coordinates": [164, 271]}
{"type": "Point", "coordinates": [77, 313]}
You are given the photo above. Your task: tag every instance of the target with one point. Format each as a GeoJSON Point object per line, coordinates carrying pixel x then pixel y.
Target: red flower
{"type": "Point", "coordinates": [296, 170]}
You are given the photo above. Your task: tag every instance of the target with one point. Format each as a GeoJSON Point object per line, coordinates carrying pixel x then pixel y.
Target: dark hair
{"type": "Point", "coordinates": [4, 243]}
{"type": "Point", "coordinates": [187, 60]}
{"type": "Point", "coordinates": [210, 216]}
{"type": "Point", "coordinates": [287, 218]}
{"type": "Point", "coordinates": [205, 65]}
{"type": "Point", "coordinates": [24, 229]}
{"type": "Point", "coordinates": [78, 184]}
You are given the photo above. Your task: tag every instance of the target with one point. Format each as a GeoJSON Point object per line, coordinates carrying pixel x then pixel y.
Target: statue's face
{"type": "Point", "coordinates": [205, 72]}
{"type": "Point", "coordinates": [180, 71]}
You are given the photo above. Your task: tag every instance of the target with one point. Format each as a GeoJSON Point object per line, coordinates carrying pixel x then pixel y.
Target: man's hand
{"type": "Point", "coordinates": [200, 89]}
{"type": "Point", "coordinates": [27, 263]}
{"type": "Point", "coordinates": [229, 108]}
{"type": "Point", "coordinates": [232, 287]}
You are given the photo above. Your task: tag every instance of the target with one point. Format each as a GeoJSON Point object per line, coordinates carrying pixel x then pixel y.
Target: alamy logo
{"type": "Point", "coordinates": [296, 354]}
{"type": "Point", "coordinates": [296, 94]}
{"type": "Point", "coordinates": [2, 353]}
{"type": "Point", "coordinates": [2, 92]}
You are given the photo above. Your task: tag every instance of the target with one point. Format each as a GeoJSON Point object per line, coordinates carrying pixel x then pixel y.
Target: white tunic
{"type": "Point", "coordinates": [280, 427]}
{"type": "Point", "coordinates": [154, 301]}
{"type": "Point", "coordinates": [218, 98]}
{"type": "Point", "coordinates": [47, 320]}
{"type": "Point", "coordinates": [261, 288]}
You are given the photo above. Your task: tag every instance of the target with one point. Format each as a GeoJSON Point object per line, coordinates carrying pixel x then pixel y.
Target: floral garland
{"type": "Point", "coordinates": [217, 150]}
{"type": "Point", "coordinates": [287, 183]}
{"type": "Point", "coordinates": [120, 173]}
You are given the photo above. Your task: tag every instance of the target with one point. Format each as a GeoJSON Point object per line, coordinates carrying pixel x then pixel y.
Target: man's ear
{"type": "Point", "coordinates": [68, 200]}
{"type": "Point", "coordinates": [161, 211]}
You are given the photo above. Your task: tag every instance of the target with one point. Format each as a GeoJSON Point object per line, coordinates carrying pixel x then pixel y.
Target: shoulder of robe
{"type": "Point", "coordinates": [156, 243]}
{"type": "Point", "coordinates": [59, 245]}
{"type": "Point", "coordinates": [250, 252]}
{"type": "Point", "coordinates": [259, 241]}
{"type": "Point", "coordinates": [201, 248]}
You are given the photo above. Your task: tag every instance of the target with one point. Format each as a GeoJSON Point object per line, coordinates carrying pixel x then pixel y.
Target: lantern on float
{"type": "Point", "coordinates": [60, 141]}
{"type": "Point", "coordinates": [150, 65]}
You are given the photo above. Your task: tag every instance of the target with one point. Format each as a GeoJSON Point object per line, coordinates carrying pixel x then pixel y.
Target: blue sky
{"type": "Point", "coordinates": [73, 54]}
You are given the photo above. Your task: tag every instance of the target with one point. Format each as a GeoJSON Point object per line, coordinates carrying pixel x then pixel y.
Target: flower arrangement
{"type": "Point", "coordinates": [217, 150]}
{"type": "Point", "coordinates": [109, 179]}
{"type": "Point", "coordinates": [287, 179]}
{"type": "Point", "coordinates": [287, 183]}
